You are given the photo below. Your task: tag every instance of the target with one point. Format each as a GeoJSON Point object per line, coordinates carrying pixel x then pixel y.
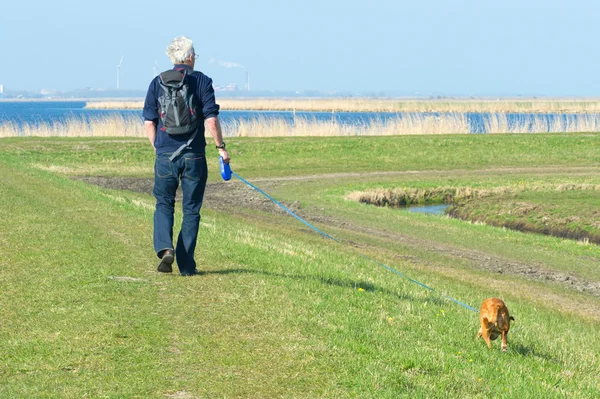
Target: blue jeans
{"type": "Point", "coordinates": [191, 170]}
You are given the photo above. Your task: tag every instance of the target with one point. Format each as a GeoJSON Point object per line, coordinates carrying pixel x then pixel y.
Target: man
{"type": "Point", "coordinates": [180, 158]}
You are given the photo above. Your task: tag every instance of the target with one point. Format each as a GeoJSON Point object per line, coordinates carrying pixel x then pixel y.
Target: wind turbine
{"type": "Point", "coordinates": [119, 71]}
{"type": "Point", "coordinates": [155, 65]}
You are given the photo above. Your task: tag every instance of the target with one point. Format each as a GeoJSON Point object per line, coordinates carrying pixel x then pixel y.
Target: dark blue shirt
{"type": "Point", "coordinates": [206, 95]}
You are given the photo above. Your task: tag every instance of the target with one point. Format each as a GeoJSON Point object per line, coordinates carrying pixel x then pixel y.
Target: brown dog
{"type": "Point", "coordinates": [495, 320]}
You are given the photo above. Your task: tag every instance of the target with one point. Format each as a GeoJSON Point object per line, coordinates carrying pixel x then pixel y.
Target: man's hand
{"type": "Point", "coordinates": [223, 153]}
{"type": "Point", "coordinates": [150, 127]}
{"type": "Point", "coordinates": [214, 128]}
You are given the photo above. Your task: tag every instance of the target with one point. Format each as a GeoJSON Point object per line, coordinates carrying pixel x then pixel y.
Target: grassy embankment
{"type": "Point", "coordinates": [571, 211]}
{"type": "Point", "coordinates": [561, 210]}
{"type": "Point", "coordinates": [280, 312]}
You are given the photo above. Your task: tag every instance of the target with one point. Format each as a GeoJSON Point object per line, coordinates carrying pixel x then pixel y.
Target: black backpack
{"type": "Point", "coordinates": [177, 103]}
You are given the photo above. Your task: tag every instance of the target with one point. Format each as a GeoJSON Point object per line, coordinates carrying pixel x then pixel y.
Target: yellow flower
{"type": "Point", "coordinates": [361, 289]}
{"type": "Point", "coordinates": [470, 360]}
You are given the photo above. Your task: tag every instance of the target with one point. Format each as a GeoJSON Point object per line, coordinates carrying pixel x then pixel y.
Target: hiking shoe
{"type": "Point", "coordinates": [188, 274]}
{"type": "Point", "coordinates": [166, 262]}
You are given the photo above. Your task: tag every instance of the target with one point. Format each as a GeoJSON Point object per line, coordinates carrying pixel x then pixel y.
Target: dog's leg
{"type": "Point", "coordinates": [504, 341]}
{"type": "Point", "coordinates": [479, 334]}
{"type": "Point", "coordinates": [484, 331]}
{"type": "Point", "coordinates": [486, 336]}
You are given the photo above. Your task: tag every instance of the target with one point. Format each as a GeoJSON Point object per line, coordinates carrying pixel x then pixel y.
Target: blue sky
{"type": "Point", "coordinates": [461, 47]}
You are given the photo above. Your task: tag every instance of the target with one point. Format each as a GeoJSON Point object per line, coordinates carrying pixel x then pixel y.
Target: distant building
{"type": "Point", "coordinates": [1, 89]}
{"type": "Point", "coordinates": [230, 87]}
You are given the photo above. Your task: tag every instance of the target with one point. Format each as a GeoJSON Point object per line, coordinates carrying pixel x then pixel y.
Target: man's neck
{"type": "Point", "coordinates": [185, 65]}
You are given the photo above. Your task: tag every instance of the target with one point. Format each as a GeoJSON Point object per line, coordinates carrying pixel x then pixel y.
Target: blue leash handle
{"type": "Point", "coordinates": [279, 204]}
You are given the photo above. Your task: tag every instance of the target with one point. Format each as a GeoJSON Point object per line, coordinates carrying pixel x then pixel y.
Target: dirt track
{"type": "Point", "coordinates": [233, 195]}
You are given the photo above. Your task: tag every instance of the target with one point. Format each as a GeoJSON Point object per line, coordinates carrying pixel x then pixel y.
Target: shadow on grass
{"type": "Point", "coordinates": [354, 285]}
{"type": "Point", "coordinates": [530, 352]}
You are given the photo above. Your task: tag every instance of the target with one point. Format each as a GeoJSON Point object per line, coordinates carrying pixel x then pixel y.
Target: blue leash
{"type": "Point", "coordinates": [279, 204]}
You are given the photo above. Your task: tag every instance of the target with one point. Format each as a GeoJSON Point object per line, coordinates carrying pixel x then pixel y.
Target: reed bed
{"type": "Point", "coordinates": [302, 126]}
{"type": "Point", "coordinates": [558, 106]}
{"type": "Point", "coordinates": [106, 126]}
{"type": "Point", "coordinates": [117, 125]}
{"type": "Point", "coordinates": [404, 196]}
{"type": "Point", "coordinates": [502, 123]}
{"type": "Point", "coordinates": [114, 105]}
{"type": "Point", "coordinates": [407, 124]}
{"type": "Point", "coordinates": [395, 105]}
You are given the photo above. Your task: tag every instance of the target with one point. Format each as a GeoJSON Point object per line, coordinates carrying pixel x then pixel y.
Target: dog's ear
{"type": "Point", "coordinates": [488, 324]}
{"type": "Point", "coordinates": [512, 318]}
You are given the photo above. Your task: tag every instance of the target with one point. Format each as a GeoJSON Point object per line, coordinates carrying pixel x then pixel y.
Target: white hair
{"type": "Point", "coordinates": [180, 49]}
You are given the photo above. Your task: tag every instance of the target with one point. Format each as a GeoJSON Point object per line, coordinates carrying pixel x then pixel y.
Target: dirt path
{"type": "Point", "coordinates": [548, 170]}
{"type": "Point", "coordinates": [233, 195]}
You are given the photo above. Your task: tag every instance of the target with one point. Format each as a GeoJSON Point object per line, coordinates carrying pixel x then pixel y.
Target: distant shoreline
{"type": "Point", "coordinates": [533, 105]}
{"type": "Point", "coordinates": [64, 100]}
{"type": "Point", "coordinates": [458, 105]}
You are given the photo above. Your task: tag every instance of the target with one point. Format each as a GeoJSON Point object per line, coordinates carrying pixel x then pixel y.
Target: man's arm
{"type": "Point", "coordinates": [150, 127]}
{"type": "Point", "coordinates": [210, 109]}
{"type": "Point", "coordinates": [150, 113]}
{"type": "Point", "coordinates": [214, 128]}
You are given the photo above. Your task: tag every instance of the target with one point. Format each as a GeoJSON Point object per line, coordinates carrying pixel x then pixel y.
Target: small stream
{"type": "Point", "coordinates": [430, 209]}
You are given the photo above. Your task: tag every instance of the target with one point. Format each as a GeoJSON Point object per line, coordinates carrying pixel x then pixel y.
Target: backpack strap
{"type": "Point", "coordinates": [174, 105]}
{"type": "Point", "coordinates": [184, 146]}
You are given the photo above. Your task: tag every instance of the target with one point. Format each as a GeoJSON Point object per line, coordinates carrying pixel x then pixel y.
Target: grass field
{"type": "Point", "coordinates": [279, 311]}
{"type": "Point", "coordinates": [572, 212]}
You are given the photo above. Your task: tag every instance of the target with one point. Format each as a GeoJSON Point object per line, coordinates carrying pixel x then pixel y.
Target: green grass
{"type": "Point", "coordinates": [571, 213]}
{"type": "Point", "coordinates": [279, 311]}
{"type": "Point", "coordinates": [266, 157]}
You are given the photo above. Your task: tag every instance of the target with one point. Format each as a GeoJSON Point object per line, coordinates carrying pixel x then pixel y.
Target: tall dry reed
{"type": "Point", "coordinates": [407, 124]}
{"type": "Point", "coordinates": [114, 105]}
{"type": "Point", "coordinates": [104, 126]}
{"type": "Point", "coordinates": [402, 196]}
{"type": "Point", "coordinates": [503, 123]}
{"type": "Point", "coordinates": [303, 126]}
{"type": "Point", "coordinates": [552, 106]}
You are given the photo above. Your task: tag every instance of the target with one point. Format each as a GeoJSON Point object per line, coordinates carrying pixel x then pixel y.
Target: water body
{"type": "Point", "coordinates": [49, 112]}
{"type": "Point", "coordinates": [430, 209]}
{"type": "Point", "coordinates": [36, 112]}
